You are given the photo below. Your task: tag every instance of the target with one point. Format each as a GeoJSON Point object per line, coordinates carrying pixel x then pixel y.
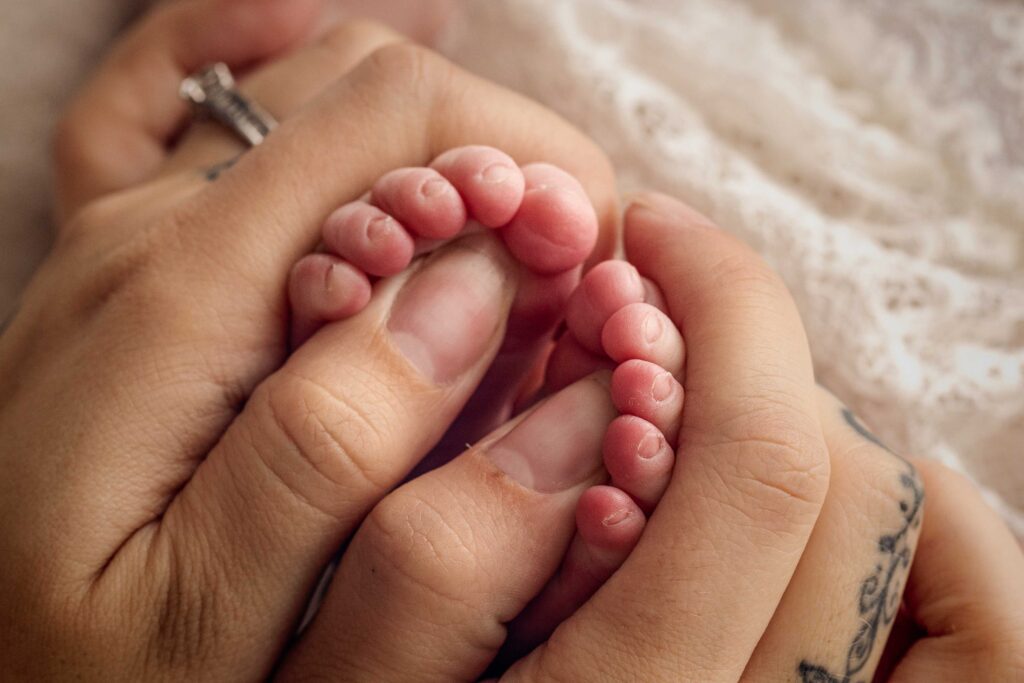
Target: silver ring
{"type": "Point", "coordinates": [211, 90]}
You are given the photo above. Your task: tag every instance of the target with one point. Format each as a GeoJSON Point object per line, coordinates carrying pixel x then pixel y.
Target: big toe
{"type": "Point", "coordinates": [555, 228]}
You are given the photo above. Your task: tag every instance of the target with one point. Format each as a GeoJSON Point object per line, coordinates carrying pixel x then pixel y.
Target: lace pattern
{"type": "Point", "coordinates": [871, 151]}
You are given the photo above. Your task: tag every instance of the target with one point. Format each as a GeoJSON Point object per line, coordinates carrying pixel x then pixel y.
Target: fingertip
{"type": "Point", "coordinates": [255, 29]}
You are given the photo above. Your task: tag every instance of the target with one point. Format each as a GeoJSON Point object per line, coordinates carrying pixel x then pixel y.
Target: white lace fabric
{"type": "Point", "coordinates": [871, 151]}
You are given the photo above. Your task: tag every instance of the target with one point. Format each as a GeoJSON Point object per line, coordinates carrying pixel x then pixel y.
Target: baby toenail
{"type": "Point", "coordinates": [649, 446]}
{"type": "Point", "coordinates": [434, 187]}
{"type": "Point", "coordinates": [496, 173]}
{"type": "Point", "coordinates": [378, 228]}
{"type": "Point", "coordinates": [652, 328]}
{"type": "Point", "coordinates": [661, 388]}
{"type": "Point", "coordinates": [616, 517]}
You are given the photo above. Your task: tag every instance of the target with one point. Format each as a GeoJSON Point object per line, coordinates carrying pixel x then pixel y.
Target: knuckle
{"type": "Point", "coordinates": [105, 275]}
{"type": "Point", "coordinates": [424, 546]}
{"type": "Point", "coordinates": [777, 464]}
{"type": "Point", "coordinates": [408, 66]}
{"type": "Point", "coordinates": [338, 444]}
{"type": "Point", "coordinates": [790, 475]}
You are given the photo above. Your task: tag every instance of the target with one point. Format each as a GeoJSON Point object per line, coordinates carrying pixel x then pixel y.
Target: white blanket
{"type": "Point", "coordinates": [872, 151]}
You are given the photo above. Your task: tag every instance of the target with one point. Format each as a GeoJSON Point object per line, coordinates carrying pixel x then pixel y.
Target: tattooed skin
{"type": "Point", "coordinates": [881, 592]}
{"type": "Point", "coordinates": [214, 172]}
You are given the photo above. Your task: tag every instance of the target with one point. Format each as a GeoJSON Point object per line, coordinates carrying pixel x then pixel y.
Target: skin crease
{"type": "Point", "coordinates": [156, 318]}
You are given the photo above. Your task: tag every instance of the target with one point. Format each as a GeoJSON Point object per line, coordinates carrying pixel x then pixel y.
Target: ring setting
{"type": "Point", "coordinates": [211, 90]}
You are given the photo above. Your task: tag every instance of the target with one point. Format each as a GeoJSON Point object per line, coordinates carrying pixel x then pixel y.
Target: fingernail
{"type": "Point", "coordinates": [446, 316]}
{"type": "Point", "coordinates": [663, 206]}
{"type": "Point", "coordinates": [558, 445]}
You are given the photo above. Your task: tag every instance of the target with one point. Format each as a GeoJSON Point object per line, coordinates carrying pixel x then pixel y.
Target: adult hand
{"type": "Point", "coordinates": [707, 594]}
{"type": "Point", "coordinates": [746, 571]}
{"type": "Point", "coordinates": [170, 493]}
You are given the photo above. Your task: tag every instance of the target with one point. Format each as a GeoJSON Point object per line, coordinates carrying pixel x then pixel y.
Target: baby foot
{"type": "Point", "coordinates": [540, 212]}
{"type": "Point", "coordinates": [615, 320]}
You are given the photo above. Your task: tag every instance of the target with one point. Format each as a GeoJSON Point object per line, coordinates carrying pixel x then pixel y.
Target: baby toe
{"type": "Point", "coordinates": [555, 228]}
{"type": "Point", "coordinates": [490, 182]}
{"type": "Point", "coordinates": [638, 459]}
{"type": "Point", "coordinates": [642, 332]}
{"type": "Point", "coordinates": [369, 239]}
{"type": "Point", "coordinates": [423, 200]}
{"type": "Point", "coordinates": [323, 288]}
{"type": "Point", "coordinates": [609, 524]}
{"type": "Point", "coordinates": [650, 392]}
{"type": "Point", "coordinates": [608, 286]}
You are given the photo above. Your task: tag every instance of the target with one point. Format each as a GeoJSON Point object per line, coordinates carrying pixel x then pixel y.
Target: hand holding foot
{"type": "Point", "coordinates": [540, 212]}
{"type": "Point", "coordinates": [228, 474]}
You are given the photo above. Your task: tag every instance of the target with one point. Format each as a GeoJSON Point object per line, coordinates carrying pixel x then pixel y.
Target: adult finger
{"type": "Point", "coordinates": [835, 617]}
{"type": "Point", "coordinates": [425, 588]}
{"type": "Point", "coordinates": [317, 445]}
{"type": "Point", "coordinates": [116, 132]}
{"type": "Point", "coordinates": [966, 589]}
{"type": "Point", "coordinates": [701, 586]}
{"type": "Point", "coordinates": [215, 318]}
{"type": "Point", "coordinates": [283, 87]}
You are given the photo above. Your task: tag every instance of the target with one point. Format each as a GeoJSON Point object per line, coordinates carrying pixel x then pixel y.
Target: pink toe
{"type": "Point", "coordinates": [650, 392]}
{"type": "Point", "coordinates": [323, 288]}
{"type": "Point", "coordinates": [422, 200]}
{"type": "Point", "coordinates": [368, 238]}
{"type": "Point", "coordinates": [639, 459]}
{"type": "Point", "coordinates": [610, 523]}
{"type": "Point", "coordinates": [555, 228]}
{"type": "Point", "coordinates": [490, 182]}
{"type": "Point", "coordinates": [608, 286]}
{"type": "Point", "coordinates": [641, 331]}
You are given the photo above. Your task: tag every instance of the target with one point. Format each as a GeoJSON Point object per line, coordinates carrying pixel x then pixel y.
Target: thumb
{"type": "Point", "coordinates": [322, 440]}
{"type": "Point", "coordinates": [443, 563]}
